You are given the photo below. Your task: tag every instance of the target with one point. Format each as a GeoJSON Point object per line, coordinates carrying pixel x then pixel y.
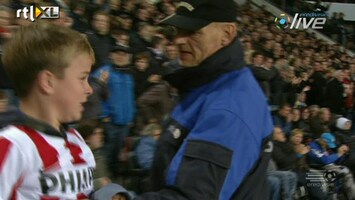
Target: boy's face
{"type": "Point", "coordinates": [71, 91]}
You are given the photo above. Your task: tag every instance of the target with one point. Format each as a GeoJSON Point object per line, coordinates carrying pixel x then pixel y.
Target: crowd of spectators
{"type": "Point", "coordinates": [309, 83]}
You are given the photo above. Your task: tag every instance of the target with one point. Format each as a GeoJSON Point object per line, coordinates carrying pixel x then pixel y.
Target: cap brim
{"type": "Point", "coordinates": [185, 23]}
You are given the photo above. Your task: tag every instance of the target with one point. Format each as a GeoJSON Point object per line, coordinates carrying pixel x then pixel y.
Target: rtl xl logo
{"type": "Point", "coordinates": [33, 12]}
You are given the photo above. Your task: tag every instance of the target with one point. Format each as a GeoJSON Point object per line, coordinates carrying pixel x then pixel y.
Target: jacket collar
{"type": "Point", "coordinates": [41, 126]}
{"type": "Point", "coordinates": [225, 60]}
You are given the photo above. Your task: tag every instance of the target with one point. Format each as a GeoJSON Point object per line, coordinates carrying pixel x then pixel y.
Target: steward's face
{"type": "Point", "coordinates": [196, 46]}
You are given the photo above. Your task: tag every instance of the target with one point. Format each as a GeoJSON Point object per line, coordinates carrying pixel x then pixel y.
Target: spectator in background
{"type": "Point", "coordinates": [115, 7]}
{"type": "Point", "coordinates": [320, 123]}
{"type": "Point", "coordinates": [6, 30]}
{"type": "Point", "coordinates": [283, 118]}
{"type": "Point", "coordinates": [122, 37]}
{"type": "Point", "coordinates": [296, 118]}
{"type": "Point", "coordinates": [263, 74]}
{"type": "Point", "coordinates": [112, 192]}
{"type": "Point", "coordinates": [313, 111]}
{"type": "Point", "coordinates": [4, 102]}
{"type": "Point", "coordinates": [93, 134]}
{"type": "Point", "coordinates": [119, 109]}
{"type": "Point", "coordinates": [172, 54]}
{"type": "Point", "coordinates": [317, 81]}
{"type": "Point", "coordinates": [342, 132]}
{"type": "Point", "coordinates": [275, 186]}
{"type": "Point", "coordinates": [93, 108]}
{"type": "Point", "coordinates": [305, 121]}
{"type": "Point", "coordinates": [286, 160]}
{"type": "Point", "coordinates": [100, 38]}
{"type": "Point", "coordinates": [142, 73]}
{"type": "Point", "coordinates": [301, 101]}
{"type": "Point", "coordinates": [156, 50]}
{"type": "Point", "coordinates": [142, 14]}
{"type": "Point", "coordinates": [141, 40]}
{"type": "Point", "coordinates": [146, 147]}
{"type": "Point", "coordinates": [126, 23]}
{"type": "Point", "coordinates": [5, 22]}
{"type": "Point", "coordinates": [335, 95]}
{"type": "Point", "coordinates": [343, 136]}
{"type": "Point", "coordinates": [9, 114]}
{"type": "Point", "coordinates": [248, 52]}
{"type": "Point", "coordinates": [78, 15]}
{"type": "Point", "coordinates": [324, 151]}
{"type": "Point", "coordinates": [303, 171]}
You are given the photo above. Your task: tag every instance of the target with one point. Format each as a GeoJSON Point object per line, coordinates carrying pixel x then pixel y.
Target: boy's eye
{"type": "Point", "coordinates": [83, 78]}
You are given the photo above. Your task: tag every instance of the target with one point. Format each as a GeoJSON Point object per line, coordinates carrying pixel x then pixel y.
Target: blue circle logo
{"type": "Point", "coordinates": [282, 22]}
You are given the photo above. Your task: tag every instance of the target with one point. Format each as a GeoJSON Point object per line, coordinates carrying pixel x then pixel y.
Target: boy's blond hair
{"type": "Point", "coordinates": [41, 46]}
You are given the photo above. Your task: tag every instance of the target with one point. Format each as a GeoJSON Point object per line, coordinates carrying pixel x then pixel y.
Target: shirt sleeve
{"type": "Point", "coordinates": [11, 168]}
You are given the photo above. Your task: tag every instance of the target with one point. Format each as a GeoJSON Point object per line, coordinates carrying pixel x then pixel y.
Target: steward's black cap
{"type": "Point", "coordinates": [194, 14]}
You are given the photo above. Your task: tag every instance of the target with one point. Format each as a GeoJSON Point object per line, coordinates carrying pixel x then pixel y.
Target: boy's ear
{"type": "Point", "coordinates": [46, 81]}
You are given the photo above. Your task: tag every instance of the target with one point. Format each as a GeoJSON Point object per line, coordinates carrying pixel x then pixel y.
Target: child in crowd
{"type": "Point", "coordinates": [93, 134]}
{"type": "Point", "coordinates": [112, 192]}
{"type": "Point", "coordinates": [146, 146]}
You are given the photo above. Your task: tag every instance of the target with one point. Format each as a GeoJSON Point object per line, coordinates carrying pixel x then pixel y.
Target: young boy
{"type": "Point", "coordinates": [49, 67]}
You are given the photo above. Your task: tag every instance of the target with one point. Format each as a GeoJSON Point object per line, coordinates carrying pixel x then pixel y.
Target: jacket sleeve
{"type": "Point", "coordinates": [281, 157]}
{"type": "Point", "coordinates": [200, 167]}
{"type": "Point", "coordinates": [11, 167]}
{"type": "Point", "coordinates": [145, 152]}
{"type": "Point", "coordinates": [322, 158]}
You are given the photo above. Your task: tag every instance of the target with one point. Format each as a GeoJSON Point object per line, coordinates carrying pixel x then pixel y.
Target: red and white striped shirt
{"type": "Point", "coordinates": [37, 165]}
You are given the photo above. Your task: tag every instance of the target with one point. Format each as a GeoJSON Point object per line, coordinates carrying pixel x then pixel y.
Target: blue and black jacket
{"type": "Point", "coordinates": [120, 104]}
{"type": "Point", "coordinates": [214, 144]}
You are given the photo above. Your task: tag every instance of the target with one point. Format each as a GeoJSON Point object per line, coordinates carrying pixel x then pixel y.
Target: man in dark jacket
{"type": "Point", "coordinates": [100, 39]}
{"type": "Point", "coordinates": [214, 145]}
{"type": "Point", "coordinates": [317, 81]}
{"type": "Point", "coordinates": [335, 93]}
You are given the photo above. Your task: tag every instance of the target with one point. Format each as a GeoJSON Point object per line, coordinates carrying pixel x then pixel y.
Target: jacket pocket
{"type": "Point", "coordinates": [203, 169]}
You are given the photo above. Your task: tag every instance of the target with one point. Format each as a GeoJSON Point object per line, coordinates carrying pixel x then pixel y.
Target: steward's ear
{"type": "Point", "coordinates": [46, 82]}
{"type": "Point", "coordinates": [229, 33]}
